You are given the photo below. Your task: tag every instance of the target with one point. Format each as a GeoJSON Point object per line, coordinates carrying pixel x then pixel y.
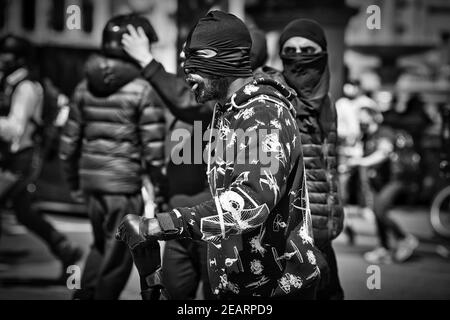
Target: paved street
{"type": "Point", "coordinates": [28, 271]}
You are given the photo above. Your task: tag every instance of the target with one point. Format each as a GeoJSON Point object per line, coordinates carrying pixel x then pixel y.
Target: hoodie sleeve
{"type": "Point", "coordinates": [259, 176]}
{"type": "Point", "coordinates": [177, 95]}
{"type": "Point", "coordinates": [71, 138]}
{"type": "Point", "coordinates": [152, 134]}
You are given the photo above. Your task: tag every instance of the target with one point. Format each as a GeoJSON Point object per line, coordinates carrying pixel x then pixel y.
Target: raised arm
{"type": "Point", "coordinates": [173, 90]}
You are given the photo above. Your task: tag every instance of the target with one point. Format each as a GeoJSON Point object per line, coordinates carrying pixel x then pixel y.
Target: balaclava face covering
{"type": "Point", "coordinates": [226, 35]}
{"type": "Point", "coordinates": [308, 74]}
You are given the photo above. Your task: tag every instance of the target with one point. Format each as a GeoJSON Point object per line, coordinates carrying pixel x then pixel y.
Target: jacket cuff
{"type": "Point", "coordinates": [151, 69]}
{"type": "Point", "coordinates": [171, 224]}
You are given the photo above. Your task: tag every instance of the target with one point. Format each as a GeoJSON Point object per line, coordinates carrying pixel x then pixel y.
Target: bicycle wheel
{"type": "Point", "coordinates": [440, 213]}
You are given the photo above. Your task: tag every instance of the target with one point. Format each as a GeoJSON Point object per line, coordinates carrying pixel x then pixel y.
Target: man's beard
{"type": "Point", "coordinates": [214, 89]}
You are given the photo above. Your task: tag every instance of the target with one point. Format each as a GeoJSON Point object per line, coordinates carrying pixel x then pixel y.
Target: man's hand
{"type": "Point", "coordinates": [136, 231]}
{"type": "Point", "coordinates": [137, 45]}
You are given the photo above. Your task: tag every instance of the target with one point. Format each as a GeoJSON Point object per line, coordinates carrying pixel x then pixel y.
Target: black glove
{"type": "Point", "coordinates": [138, 231]}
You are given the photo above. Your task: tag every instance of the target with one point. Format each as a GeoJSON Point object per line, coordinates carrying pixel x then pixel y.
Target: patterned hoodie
{"type": "Point", "coordinates": [258, 224]}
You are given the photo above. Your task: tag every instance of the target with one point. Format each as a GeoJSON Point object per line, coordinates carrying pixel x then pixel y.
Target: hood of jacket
{"type": "Point", "coordinates": [107, 75]}
{"type": "Point", "coordinates": [263, 88]}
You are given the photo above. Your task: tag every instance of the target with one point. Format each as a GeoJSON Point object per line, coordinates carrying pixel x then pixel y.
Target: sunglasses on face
{"type": "Point", "coordinates": [289, 50]}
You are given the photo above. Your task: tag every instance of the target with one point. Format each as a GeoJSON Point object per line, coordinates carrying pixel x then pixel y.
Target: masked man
{"type": "Point", "coordinates": [303, 50]}
{"type": "Point", "coordinates": [21, 105]}
{"type": "Point", "coordinates": [257, 224]}
{"type": "Point", "coordinates": [187, 180]}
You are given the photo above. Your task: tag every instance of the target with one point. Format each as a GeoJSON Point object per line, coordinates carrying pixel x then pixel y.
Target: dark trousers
{"type": "Point", "coordinates": [330, 286]}
{"type": "Point", "coordinates": [383, 202]}
{"type": "Point", "coordinates": [23, 164]}
{"type": "Point", "coordinates": [184, 260]}
{"type": "Point", "coordinates": [184, 265]}
{"type": "Point", "coordinates": [109, 262]}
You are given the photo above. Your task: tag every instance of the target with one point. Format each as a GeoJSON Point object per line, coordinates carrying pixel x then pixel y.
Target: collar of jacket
{"type": "Point", "coordinates": [262, 88]}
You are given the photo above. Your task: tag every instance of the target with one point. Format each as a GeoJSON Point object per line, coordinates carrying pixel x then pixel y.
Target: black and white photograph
{"type": "Point", "coordinates": [236, 152]}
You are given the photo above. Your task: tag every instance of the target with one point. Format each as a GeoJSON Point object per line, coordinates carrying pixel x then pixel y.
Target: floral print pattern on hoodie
{"type": "Point", "coordinates": [258, 224]}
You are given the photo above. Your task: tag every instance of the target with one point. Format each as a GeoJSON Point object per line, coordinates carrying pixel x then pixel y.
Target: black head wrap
{"type": "Point", "coordinates": [228, 36]}
{"type": "Point", "coordinates": [305, 28]}
{"type": "Point", "coordinates": [307, 73]}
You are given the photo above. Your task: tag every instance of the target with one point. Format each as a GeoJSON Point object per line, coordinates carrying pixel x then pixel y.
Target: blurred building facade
{"type": "Point", "coordinates": [408, 55]}
{"type": "Point", "coordinates": [412, 33]}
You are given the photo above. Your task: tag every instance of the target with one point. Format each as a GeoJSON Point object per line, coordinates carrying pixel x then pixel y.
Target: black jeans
{"type": "Point", "coordinates": [109, 262]}
{"type": "Point", "coordinates": [21, 164]}
{"type": "Point", "coordinates": [330, 287]}
{"type": "Point", "coordinates": [383, 202]}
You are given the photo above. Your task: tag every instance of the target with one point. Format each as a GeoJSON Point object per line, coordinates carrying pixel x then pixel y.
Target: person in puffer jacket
{"type": "Point", "coordinates": [303, 48]}
{"type": "Point", "coordinates": [115, 135]}
{"type": "Point", "coordinates": [257, 225]}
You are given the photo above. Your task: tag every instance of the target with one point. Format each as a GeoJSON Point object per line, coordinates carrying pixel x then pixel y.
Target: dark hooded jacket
{"type": "Point", "coordinates": [258, 223]}
{"type": "Point", "coordinates": [116, 128]}
{"type": "Point", "coordinates": [317, 120]}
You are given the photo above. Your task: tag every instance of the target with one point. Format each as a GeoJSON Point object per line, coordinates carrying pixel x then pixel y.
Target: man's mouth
{"type": "Point", "coordinates": [192, 83]}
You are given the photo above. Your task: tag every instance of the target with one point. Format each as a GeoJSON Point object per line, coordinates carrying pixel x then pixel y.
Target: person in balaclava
{"type": "Point", "coordinates": [187, 181]}
{"type": "Point", "coordinates": [21, 117]}
{"type": "Point", "coordinates": [114, 136]}
{"type": "Point", "coordinates": [257, 224]}
{"type": "Point", "coordinates": [303, 50]}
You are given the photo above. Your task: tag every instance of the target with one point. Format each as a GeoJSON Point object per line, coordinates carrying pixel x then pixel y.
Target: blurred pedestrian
{"type": "Point", "coordinates": [379, 146]}
{"type": "Point", "coordinates": [115, 134]}
{"type": "Point", "coordinates": [21, 121]}
{"type": "Point", "coordinates": [352, 188]}
{"type": "Point", "coordinates": [184, 260]}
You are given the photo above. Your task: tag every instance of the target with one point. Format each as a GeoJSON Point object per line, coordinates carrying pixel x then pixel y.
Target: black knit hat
{"type": "Point", "coordinates": [305, 28]}
{"type": "Point", "coordinates": [229, 37]}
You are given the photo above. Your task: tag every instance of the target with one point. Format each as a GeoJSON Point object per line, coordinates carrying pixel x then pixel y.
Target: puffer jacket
{"type": "Point", "coordinates": [257, 225]}
{"type": "Point", "coordinates": [116, 128]}
{"type": "Point", "coordinates": [319, 141]}
{"type": "Point", "coordinates": [318, 128]}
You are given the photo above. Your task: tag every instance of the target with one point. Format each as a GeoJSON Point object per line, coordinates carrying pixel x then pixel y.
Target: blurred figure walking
{"type": "Point", "coordinates": [114, 135]}
{"type": "Point", "coordinates": [21, 120]}
{"type": "Point", "coordinates": [378, 147]}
